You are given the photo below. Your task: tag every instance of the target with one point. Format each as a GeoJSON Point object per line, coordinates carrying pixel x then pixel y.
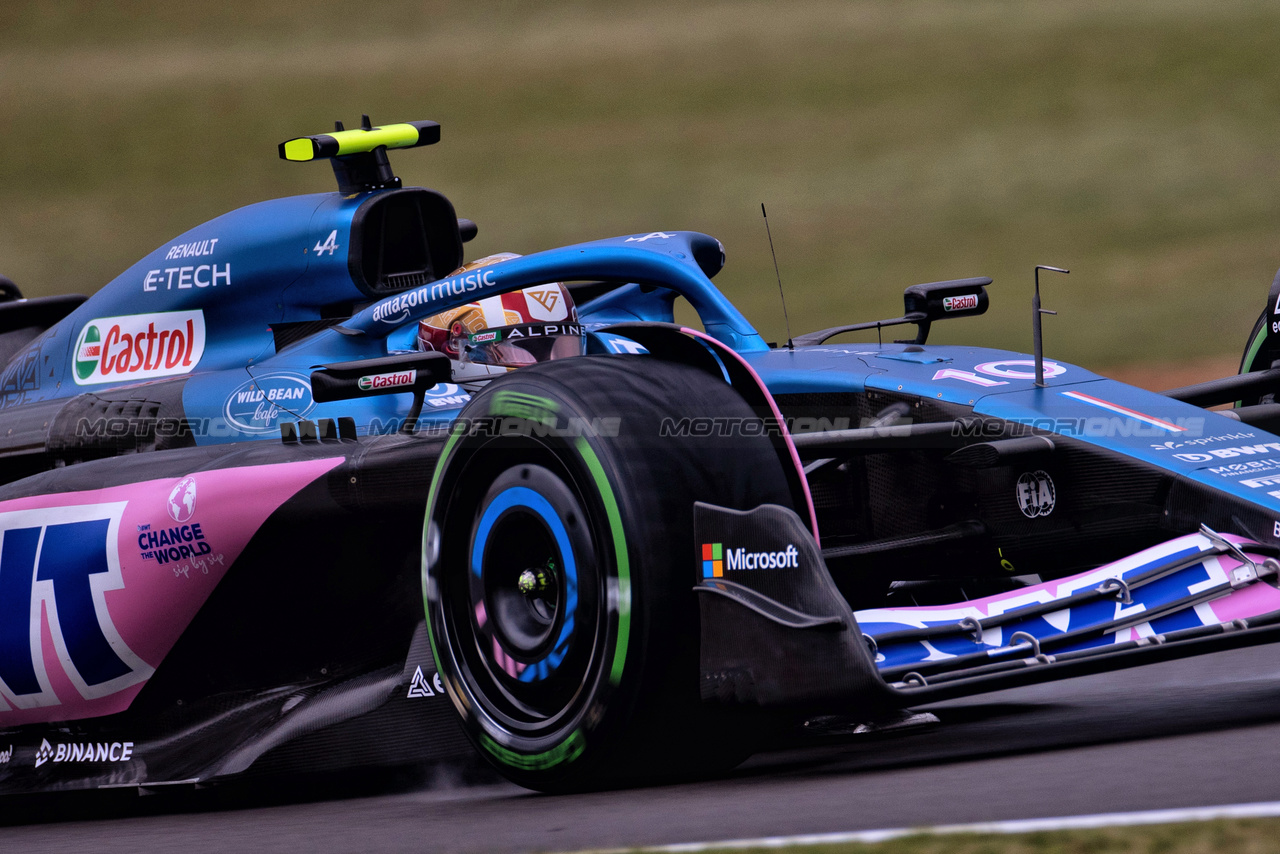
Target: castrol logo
{"type": "Point", "coordinates": [960, 303]}
{"type": "Point", "coordinates": [138, 347]}
{"type": "Point", "coordinates": [379, 381]}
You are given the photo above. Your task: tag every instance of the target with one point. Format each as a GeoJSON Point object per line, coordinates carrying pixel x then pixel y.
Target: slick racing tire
{"type": "Point", "coordinates": [559, 563]}
{"type": "Point", "coordinates": [1259, 353]}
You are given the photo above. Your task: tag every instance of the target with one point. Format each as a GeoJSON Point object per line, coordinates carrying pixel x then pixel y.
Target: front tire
{"type": "Point", "coordinates": [559, 563]}
{"type": "Point", "coordinates": [1259, 353]}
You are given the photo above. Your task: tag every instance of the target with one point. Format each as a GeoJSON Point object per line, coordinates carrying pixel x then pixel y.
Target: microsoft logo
{"type": "Point", "coordinates": [712, 560]}
{"type": "Point", "coordinates": [715, 560]}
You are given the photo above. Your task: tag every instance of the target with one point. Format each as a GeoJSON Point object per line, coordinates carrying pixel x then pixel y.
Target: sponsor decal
{"type": "Point", "coordinates": [6, 755]}
{"type": "Point", "coordinates": [396, 309]}
{"type": "Point", "coordinates": [650, 236]}
{"type": "Point", "coordinates": [62, 560]}
{"type": "Point", "coordinates": [1239, 469]}
{"type": "Point", "coordinates": [258, 405]}
{"type": "Point", "coordinates": [1206, 440]}
{"type": "Point", "coordinates": [712, 560]}
{"type": "Point", "coordinates": [486, 337]}
{"type": "Point", "coordinates": [1122, 410]}
{"type": "Point", "coordinates": [1210, 454]}
{"type": "Point", "coordinates": [446, 396]}
{"type": "Point", "coordinates": [1259, 482]}
{"type": "Point", "coordinates": [420, 687]}
{"type": "Point", "coordinates": [182, 500]}
{"type": "Point", "coordinates": [187, 277]}
{"type": "Point", "coordinates": [740, 559]}
{"type": "Point", "coordinates": [191, 250]}
{"type": "Point", "coordinates": [138, 347]}
{"type": "Point", "coordinates": [395, 380]}
{"type": "Point", "coordinates": [173, 544]}
{"type": "Point", "coordinates": [960, 303]}
{"type": "Point", "coordinates": [543, 330]}
{"type": "Point", "coordinates": [102, 751]}
{"type": "Point", "coordinates": [83, 617]}
{"type": "Point", "coordinates": [1036, 494]}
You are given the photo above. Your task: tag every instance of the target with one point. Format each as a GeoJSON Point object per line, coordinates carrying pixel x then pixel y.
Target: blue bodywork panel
{"type": "Point", "coordinates": [202, 307]}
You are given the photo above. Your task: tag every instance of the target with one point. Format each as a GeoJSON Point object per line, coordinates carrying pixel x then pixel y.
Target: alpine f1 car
{"type": "Point", "coordinates": [303, 490]}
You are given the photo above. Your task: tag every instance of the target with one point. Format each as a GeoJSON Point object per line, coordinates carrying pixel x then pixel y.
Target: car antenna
{"type": "Point", "coordinates": [790, 346]}
{"type": "Point", "coordinates": [1036, 312]}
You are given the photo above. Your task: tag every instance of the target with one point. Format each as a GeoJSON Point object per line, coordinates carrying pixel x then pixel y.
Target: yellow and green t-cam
{"type": "Point", "coordinates": [341, 143]}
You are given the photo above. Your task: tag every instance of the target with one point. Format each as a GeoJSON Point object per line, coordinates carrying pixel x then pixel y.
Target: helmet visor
{"type": "Point", "coordinates": [517, 346]}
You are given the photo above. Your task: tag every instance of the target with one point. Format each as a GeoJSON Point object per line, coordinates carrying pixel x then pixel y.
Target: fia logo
{"type": "Point", "coordinates": [1036, 494]}
{"type": "Point", "coordinates": [60, 562]}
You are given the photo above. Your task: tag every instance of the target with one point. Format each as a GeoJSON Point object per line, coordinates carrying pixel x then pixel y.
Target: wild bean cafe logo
{"type": "Point", "coordinates": [138, 347]}
{"type": "Point", "coordinates": [259, 405]}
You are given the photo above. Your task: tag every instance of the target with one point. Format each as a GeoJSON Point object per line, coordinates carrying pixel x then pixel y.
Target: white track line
{"type": "Point", "coordinates": [1028, 825]}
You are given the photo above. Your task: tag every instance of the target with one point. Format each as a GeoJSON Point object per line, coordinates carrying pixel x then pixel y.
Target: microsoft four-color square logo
{"type": "Point", "coordinates": [712, 560]}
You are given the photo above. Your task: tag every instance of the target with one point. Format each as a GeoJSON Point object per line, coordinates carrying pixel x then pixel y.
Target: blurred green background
{"type": "Point", "coordinates": [1137, 143]}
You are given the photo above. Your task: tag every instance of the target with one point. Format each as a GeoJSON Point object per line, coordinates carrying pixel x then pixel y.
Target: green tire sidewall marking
{"type": "Point", "coordinates": [566, 751]}
{"type": "Point", "coordinates": [529, 407]}
{"type": "Point", "coordinates": [621, 558]}
{"type": "Point", "coordinates": [574, 745]}
{"type": "Point", "coordinates": [426, 526]}
{"type": "Point", "coordinates": [1251, 352]}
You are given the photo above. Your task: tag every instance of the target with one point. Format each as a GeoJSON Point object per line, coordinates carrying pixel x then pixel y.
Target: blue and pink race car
{"type": "Point", "coordinates": [304, 489]}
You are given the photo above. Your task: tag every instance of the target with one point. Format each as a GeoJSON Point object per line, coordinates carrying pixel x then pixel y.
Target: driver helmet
{"type": "Point", "coordinates": [512, 330]}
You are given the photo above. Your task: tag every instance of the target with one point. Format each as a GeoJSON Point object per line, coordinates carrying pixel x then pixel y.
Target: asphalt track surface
{"type": "Point", "coordinates": [1198, 732]}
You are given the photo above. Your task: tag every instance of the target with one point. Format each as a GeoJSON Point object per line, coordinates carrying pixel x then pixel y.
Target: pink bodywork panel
{"type": "Point", "coordinates": [164, 556]}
